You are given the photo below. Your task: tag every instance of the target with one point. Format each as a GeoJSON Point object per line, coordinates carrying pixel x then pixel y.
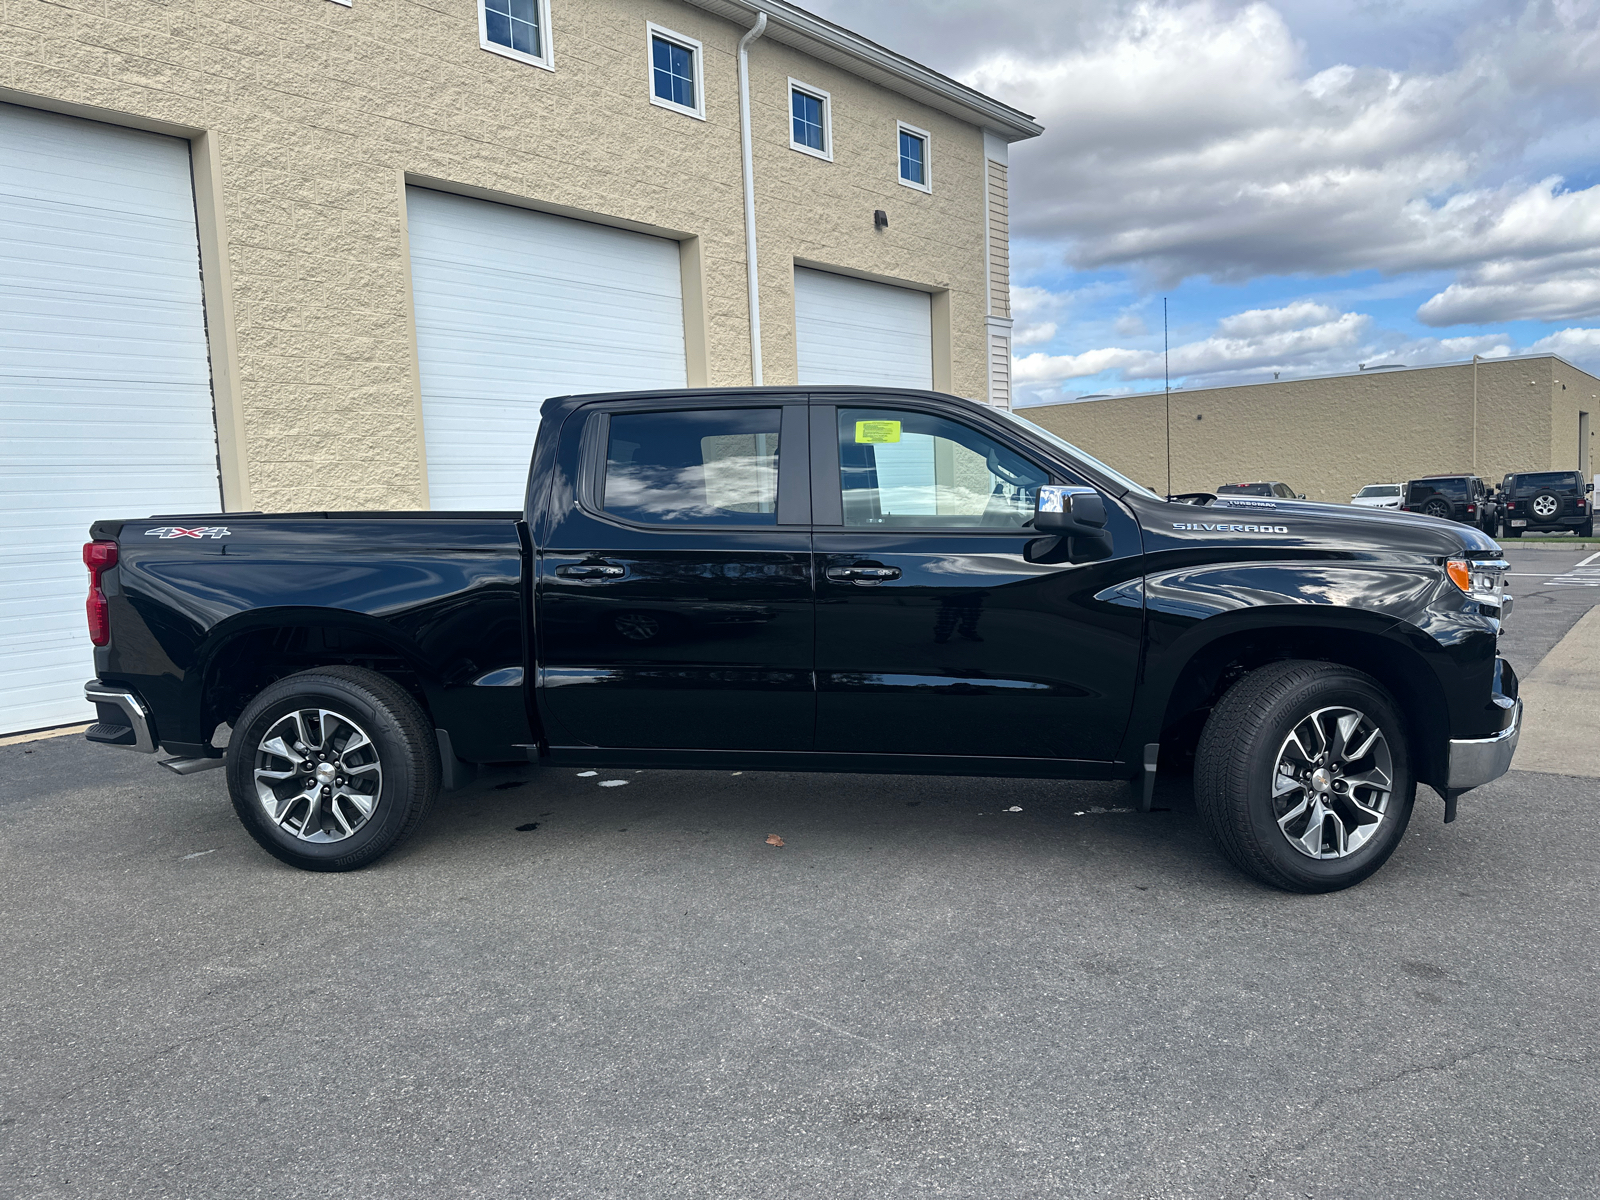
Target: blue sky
{"type": "Point", "coordinates": [1312, 186]}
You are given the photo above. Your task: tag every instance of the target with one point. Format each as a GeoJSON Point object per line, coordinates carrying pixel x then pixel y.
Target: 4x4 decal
{"type": "Point", "coordinates": [178, 531]}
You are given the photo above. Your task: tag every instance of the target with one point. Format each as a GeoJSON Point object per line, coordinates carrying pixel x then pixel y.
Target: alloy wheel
{"type": "Point", "coordinates": [317, 775]}
{"type": "Point", "coordinates": [1332, 783]}
{"type": "Point", "coordinates": [1545, 507]}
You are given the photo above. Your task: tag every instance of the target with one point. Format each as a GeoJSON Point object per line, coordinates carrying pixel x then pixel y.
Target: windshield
{"type": "Point", "coordinates": [1061, 443]}
{"type": "Point", "coordinates": [1380, 489]}
{"type": "Point", "coordinates": [1245, 489]}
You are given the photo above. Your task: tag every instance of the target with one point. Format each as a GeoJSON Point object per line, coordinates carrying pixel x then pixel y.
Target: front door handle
{"type": "Point", "coordinates": [863, 573]}
{"type": "Point", "coordinates": [591, 571]}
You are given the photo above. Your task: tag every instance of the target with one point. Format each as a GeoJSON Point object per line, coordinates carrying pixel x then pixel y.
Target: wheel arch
{"type": "Point", "coordinates": [1379, 649]}
{"type": "Point", "coordinates": [256, 648]}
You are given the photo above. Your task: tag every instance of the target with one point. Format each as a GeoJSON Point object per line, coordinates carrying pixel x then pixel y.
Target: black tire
{"type": "Point", "coordinates": [1438, 508]}
{"type": "Point", "coordinates": [1586, 530]}
{"type": "Point", "coordinates": [1237, 760]}
{"type": "Point", "coordinates": [402, 744]}
{"type": "Point", "coordinates": [1507, 532]}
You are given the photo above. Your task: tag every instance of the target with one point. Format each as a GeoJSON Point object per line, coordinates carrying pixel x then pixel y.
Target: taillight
{"type": "Point", "coordinates": [98, 557]}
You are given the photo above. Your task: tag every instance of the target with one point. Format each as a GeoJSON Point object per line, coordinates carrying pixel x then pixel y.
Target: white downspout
{"type": "Point", "coordinates": [756, 31]}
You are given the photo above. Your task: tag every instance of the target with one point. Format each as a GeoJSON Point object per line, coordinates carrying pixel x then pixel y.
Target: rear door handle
{"type": "Point", "coordinates": [863, 573]}
{"type": "Point", "coordinates": [591, 571]}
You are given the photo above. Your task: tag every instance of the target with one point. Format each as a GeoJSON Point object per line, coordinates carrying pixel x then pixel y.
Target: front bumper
{"type": "Point", "coordinates": [128, 723]}
{"type": "Point", "coordinates": [1476, 761]}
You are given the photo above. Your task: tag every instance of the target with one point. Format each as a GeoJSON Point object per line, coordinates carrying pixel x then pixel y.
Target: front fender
{"type": "Point", "coordinates": [1402, 622]}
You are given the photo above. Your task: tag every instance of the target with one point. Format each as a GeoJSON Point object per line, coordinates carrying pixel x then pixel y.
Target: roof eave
{"type": "Point", "coordinates": [832, 43]}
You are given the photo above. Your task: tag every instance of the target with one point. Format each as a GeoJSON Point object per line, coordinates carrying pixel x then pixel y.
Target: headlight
{"type": "Point", "coordinates": [1483, 580]}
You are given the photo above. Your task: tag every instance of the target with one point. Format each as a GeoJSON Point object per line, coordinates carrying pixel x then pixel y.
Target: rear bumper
{"type": "Point", "coordinates": [124, 720]}
{"type": "Point", "coordinates": [1476, 761]}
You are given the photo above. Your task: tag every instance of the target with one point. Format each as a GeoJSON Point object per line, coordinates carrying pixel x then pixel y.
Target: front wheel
{"type": "Point", "coordinates": [331, 768]}
{"type": "Point", "coordinates": [1302, 776]}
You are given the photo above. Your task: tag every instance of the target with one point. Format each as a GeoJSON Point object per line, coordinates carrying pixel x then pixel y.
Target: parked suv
{"type": "Point", "coordinates": [1270, 489]}
{"type": "Point", "coordinates": [1463, 498]}
{"type": "Point", "coordinates": [1540, 501]}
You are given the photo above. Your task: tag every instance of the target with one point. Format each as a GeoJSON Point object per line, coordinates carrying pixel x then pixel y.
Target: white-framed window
{"type": "Point", "coordinates": [677, 76]}
{"type": "Point", "coordinates": [810, 120]}
{"type": "Point", "coordinates": [518, 29]}
{"type": "Point", "coordinates": [916, 170]}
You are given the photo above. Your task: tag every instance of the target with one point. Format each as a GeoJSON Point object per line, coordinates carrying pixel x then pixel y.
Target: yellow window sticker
{"type": "Point", "coordinates": [869, 432]}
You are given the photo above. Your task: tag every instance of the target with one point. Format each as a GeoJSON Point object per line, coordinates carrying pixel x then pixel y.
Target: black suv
{"type": "Point", "coordinates": [1463, 498]}
{"type": "Point", "coordinates": [1542, 501]}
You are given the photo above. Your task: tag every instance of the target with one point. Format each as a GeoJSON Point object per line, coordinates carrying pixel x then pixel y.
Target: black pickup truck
{"type": "Point", "coordinates": [816, 579]}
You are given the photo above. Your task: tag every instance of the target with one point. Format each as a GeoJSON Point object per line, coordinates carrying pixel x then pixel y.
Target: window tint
{"type": "Point", "coordinates": [1380, 489]}
{"type": "Point", "coordinates": [913, 158]}
{"type": "Point", "coordinates": [1550, 479]}
{"type": "Point", "coordinates": [514, 24]}
{"type": "Point", "coordinates": [713, 467]}
{"type": "Point", "coordinates": [672, 69]}
{"type": "Point", "coordinates": [1455, 489]}
{"type": "Point", "coordinates": [808, 127]}
{"type": "Point", "coordinates": [908, 470]}
{"type": "Point", "coordinates": [1245, 489]}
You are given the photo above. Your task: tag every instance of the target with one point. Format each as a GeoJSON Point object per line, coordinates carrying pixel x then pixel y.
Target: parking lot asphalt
{"type": "Point", "coordinates": [564, 989]}
{"type": "Point", "coordinates": [920, 993]}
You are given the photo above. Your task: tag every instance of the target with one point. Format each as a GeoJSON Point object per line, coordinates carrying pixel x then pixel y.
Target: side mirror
{"type": "Point", "coordinates": [1301, 496]}
{"type": "Point", "coordinates": [1069, 511]}
{"type": "Point", "coordinates": [1587, 488]}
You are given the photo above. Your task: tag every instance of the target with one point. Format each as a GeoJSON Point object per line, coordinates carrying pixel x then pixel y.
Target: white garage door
{"type": "Point", "coordinates": [853, 331]}
{"type": "Point", "coordinates": [105, 391]}
{"type": "Point", "coordinates": [513, 307]}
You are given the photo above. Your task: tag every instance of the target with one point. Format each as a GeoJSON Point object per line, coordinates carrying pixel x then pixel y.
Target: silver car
{"type": "Point", "coordinates": [1378, 495]}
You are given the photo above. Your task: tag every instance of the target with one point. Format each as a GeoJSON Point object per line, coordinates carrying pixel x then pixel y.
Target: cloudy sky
{"type": "Point", "coordinates": [1312, 184]}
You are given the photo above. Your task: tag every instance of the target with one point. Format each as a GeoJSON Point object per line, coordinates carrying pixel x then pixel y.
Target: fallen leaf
{"type": "Point", "coordinates": [587, 774]}
{"type": "Point", "coordinates": [1013, 808]}
{"type": "Point", "coordinates": [614, 783]}
{"type": "Point", "coordinates": [774, 840]}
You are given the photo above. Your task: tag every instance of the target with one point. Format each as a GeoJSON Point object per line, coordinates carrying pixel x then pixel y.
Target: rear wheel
{"type": "Point", "coordinates": [331, 768]}
{"type": "Point", "coordinates": [1303, 778]}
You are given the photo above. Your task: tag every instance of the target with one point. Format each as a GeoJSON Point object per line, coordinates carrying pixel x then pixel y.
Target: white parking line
{"type": "Point", "coordinates": [1590, 559]}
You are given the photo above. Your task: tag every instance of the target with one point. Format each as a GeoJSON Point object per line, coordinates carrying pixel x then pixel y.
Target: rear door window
{"type": "Point", "coordinates": [1547, 479]}
{"type": "Point", "coordinates": [699, 467]}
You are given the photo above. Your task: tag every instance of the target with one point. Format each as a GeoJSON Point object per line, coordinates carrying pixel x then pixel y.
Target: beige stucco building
{"type": "Point", "coordinates": [1328, 437]}
{"type": "Point", "coordinates": [308, 119]}
{"type": "Point", "coordinates": [332, 254]}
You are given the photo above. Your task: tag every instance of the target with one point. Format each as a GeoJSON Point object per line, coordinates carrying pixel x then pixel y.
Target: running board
{"type": "Point", "coordinates": [192, 766]}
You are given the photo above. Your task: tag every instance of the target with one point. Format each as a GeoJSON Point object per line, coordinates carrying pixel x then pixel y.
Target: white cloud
{"type": "Point", "coordinates": [1502, 292]}
{"type": "Point", "coordinates": [1195, 139]}
{"type": "Point", "coordinates": [1262, 339]}
{"type": "Point", "coordinates": [1576, 344]}
{"type": "Point", "coordinates": [1033, 335]}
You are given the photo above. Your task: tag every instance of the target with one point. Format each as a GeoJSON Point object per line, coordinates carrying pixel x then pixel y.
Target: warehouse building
{"type": "Point", "coordinates": [318, 254]}
{"type": "Point", "coordinates": [1329, 436]}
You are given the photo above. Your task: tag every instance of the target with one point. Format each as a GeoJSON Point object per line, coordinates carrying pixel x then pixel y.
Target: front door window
{"type": "Point", "coordinates": [909, 470]}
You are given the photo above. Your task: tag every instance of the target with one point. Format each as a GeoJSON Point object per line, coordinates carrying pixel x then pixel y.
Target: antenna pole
{"type": "Point", "coordinates": [1166, 370]}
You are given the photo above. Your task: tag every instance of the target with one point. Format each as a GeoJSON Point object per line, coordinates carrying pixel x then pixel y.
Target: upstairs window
{"type": "Point", "coordinates": [675, 73]}
{"type": "Point", "coordinates": [518, 29]}
{"type": "Point", "coordinates": [810, 120]}
{"type": "Point", "coordinates": [914, 157]}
